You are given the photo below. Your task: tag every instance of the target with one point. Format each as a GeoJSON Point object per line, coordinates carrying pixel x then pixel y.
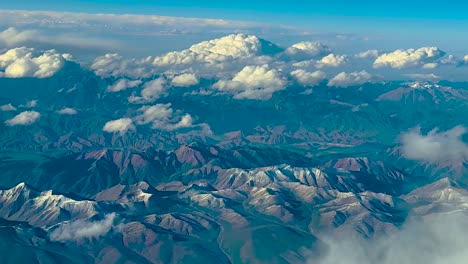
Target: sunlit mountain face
{"type": "Point", "coordinates": [162, 139]}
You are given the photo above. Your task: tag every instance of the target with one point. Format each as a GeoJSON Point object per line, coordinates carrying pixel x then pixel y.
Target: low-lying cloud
{"type": "Point", "coordinates": [83, 229]}
{"type": "Point", "coordinates": [123, 84]}
{"type": "Point", "coordinates": [435, 146]}
{"type": "Point", "coordinates": [24, 118]}
{"type": "Point", "coordinates": [436, 239]}
{"type": "Point", "coordinates": [161, 116]}
{"type": "Point", "coordinates": [67, 111]}
{"type": "Point", "coordinates": [7, 107]}
{"type": "Point", "coordinates": [121, 125]}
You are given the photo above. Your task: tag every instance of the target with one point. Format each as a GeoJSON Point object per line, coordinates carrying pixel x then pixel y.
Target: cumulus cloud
{"type": "Point", "coordinates": [7, 107]}
{"type": "Point", "coordinates": [307, 50]}
{"type": "Point", "coordinates": [121, 125]}
{"type": "Point", "coordinates": [185, 80]}
{"type": "Point", "coordinates": [83, 229]}
{"type": "Point", "coordinates": [451, 60]}
{"type": "Point", "coordinates": [25, 62]}
{"type": "Point", "coordinates": [123, 84]}
{"type": "Point", "coordinates": [401, 59]}
{"type": "Point", "coordinates": [218, 55]}
{"type": "Point", "coordinates": [161, 116]}
{"type": "Point", "coordinates": [152, 90]}
{"type": "Point", "coordinates": [237, 46]}
{"type": "Point", "coordinates": [344, 79]}
{"type": "Point", "coordinates": [308, 78]}
{"type": "Point", "coordinates": [112, 64]}
{"type": "Point", "coordinates": [436, 146]}
{"type": "Point", "coordinates": [368, 54]}
{"type": "Point", "coordinates": [253, 82]}
{"type": "Point", "coordinates": [332, 60]}
{"type": "Point", "coordinates": [24, 118]}
{"type": "Point", "coordinates": [67, 111]}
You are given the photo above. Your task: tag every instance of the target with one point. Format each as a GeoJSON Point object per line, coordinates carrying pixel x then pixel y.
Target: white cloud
{"type": "Point", "coordinates": [436, 146]}
{"type": "Point", "coordinates": [344, 79]}
{"type": "Point", "coordinates": [67, 111]}
{"type": "Point", "coordinates": [83, 229]}
{"type": "Point", "coordinates": [451, 60]}
{"type": "Point", "coordinates": [434, 239]}
{"type": "Point", "coordinates": [155, 112]}
{"type": "Point", "coordinates": [152, 90]}
{"type": "Point", "coordinates": [30, 104]}
{"type": "Point", "coordinates": [401, 59]}
{"type": "Point", "coordinates": [24, 118]}
{"type": "Point", "coordinates": [25, 62]}
{"type": "Point", "coordinates": [423, 77]}
{"type": "Point", "coordinates": [14, 37]}
{"type": "Point", "coordinates": [368, 54]}
{"type": "Point", "coordinates": [213, 58]}
{"type": "Point", "coordinates": [308, 78]}
{"type": "Point", "coordinates": [7, 107]}
{"type": "Point", "coordinates": [123, 84]}
{"type": "Point", "coordinates": [431, 65]}
{"type": "Point", "coordinates": [121, 125]}
{"type": "Point", "coordinates": [238, 46]}
{"type": "Point", "coordinates": [113, 64]}
{"type": "Point", "coordinates": [185, 80]}
{"type": "Point", "coordinates": [161, 116]}
{"type": "Point", "coordinates": [253, 82]}
{"type": "Point", "coordinates": [307, 50]}
{"type": "Point", "coordinates": [332, 60]}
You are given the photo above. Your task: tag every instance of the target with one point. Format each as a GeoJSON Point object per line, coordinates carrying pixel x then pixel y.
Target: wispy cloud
{"type": "Point", "coordinates": [79, 229]}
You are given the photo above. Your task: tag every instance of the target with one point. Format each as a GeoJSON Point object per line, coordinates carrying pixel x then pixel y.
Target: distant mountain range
{"type": "Point", "coordinates": [239, 181]}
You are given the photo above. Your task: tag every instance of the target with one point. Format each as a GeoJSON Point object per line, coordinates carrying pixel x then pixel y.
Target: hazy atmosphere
{"type": "Point", "coordinates": [330, 132]}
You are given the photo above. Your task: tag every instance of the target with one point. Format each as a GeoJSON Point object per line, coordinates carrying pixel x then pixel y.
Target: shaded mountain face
{"type": "Point", "coordinates": [248, 182]}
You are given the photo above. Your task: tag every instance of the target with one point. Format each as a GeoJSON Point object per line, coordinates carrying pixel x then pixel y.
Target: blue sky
{"type": "Point", "coordinates": [261, 10]}
{"type": "Point", "coordinates": [417, 20]}
{"type": "Point", "coordinates": [396, 23]}
{"type": "Point", "coordinates": [347, 27]}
